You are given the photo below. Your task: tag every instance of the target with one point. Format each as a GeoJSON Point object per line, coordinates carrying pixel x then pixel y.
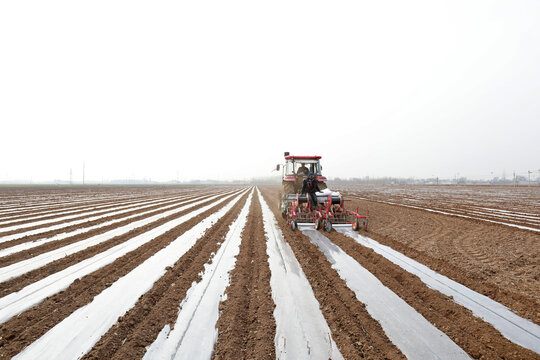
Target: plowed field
{"type": "Point", "coordinates": [200, 272]}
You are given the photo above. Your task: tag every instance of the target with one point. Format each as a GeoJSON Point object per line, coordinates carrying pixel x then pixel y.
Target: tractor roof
{"type": "Point", "coordinates": [294, 157]}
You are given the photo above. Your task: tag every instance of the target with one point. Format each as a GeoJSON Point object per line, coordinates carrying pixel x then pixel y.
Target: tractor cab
{"type": "Point", "coordinates": [302, 166]}
{"type": "Point", "coordinates": [297, 168]}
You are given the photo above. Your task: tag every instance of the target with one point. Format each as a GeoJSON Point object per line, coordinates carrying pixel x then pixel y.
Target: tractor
{"type": "Point", "coordinates": [297, 168]}
{"type": "Point", "coordinates": [296, 207]}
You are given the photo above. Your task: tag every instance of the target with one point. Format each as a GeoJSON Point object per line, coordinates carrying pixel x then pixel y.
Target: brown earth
{"type": "Point", "coordinates": [59, 222]}
{"type": "Point", "coordinates": [495, 260]}
{"type": "Point", "coordinates": [20, 331]}
{"type": "Point", "coordinates": [20, 282]}
{"type": "Point", "coordinates": [110, 205]}
{"type": "Point", "coordinates": [356, 333]}
{"type": "Point", "coordinates": [87, 195]}
{"type": "Point", "coordinates": [22, 214]}
{"type": "Point", "coordinates": [514, 201]}
{"type": "Point", "coordinates": [29, 210]}
{"type": "Point", "coordinates": [246, 325]}
{"type": "Point", "coordinates": [478, 338]}
{"type": "Point", "coordinates": [139, 327]}
{"type": "Point", "coordinates": [48, 246]}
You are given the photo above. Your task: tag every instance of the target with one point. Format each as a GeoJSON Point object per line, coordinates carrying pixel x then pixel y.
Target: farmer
{"type": "Point", "coordinates": [302, 170]}
{"type": "Point", "coordinates": [311, 187]}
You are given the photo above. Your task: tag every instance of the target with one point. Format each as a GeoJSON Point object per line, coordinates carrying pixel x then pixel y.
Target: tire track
{"type": "Point", "coordinates": [436, 232]}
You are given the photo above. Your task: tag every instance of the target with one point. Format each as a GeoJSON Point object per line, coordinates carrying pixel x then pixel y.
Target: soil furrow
{"type": "Point", "coordinates": [20, 331]}
{"type": "Point", "coordinates": [482, 220]}
{"type": "Point", "coordinates": [114, 205]}
{"type": "Point", "coordinates": [100, 213]}
{"type": "Point", "coordinates": [246, 325]}
{"type": "Point", "coordinates": [20, 282]}
{"type": "Point", "coordinates": [508, 275]}
{"type": "Point", "coordinates": [68, 206]}
{"type": "Point", "coordinates": [139, 327]}
{"type": "Point", "coordinates": [48, 246]}
{"type": "Point", "coordinates": [473, 335]}
{"type": "Point", "coordinates": [355, 332]}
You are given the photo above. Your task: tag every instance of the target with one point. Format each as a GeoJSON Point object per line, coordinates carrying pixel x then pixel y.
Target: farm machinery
{"type": "Point", "coordinates": [329, 209]}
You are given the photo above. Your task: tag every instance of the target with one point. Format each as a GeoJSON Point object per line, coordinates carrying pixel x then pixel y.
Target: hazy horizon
{"type": "Point", "coordinates": [219, 90]}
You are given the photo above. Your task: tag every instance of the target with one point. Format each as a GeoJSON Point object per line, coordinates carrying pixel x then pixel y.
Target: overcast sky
{"type": "Point", "coordinates": [220, 89]}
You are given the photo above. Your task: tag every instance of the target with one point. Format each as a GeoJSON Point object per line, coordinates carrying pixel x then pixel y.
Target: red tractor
{"type": "Point", "coordinates": [296, 208]}
{"type": "Point", "coordinates": [297, 168]}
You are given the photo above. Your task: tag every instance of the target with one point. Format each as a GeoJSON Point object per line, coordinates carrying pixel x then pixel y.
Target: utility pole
{"type": "Point", "coordinates": [514, 179]}
{"type": "Point", "coordinates": [529, 171]}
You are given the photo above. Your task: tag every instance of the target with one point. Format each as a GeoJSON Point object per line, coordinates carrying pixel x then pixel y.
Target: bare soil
{"type": "Point", "coordinates": [495, 260]}
{"type": "Point", "coordinates": [18, 332]}
{"type": "Point", "coordinates": [20, 282]}
{"type": "Point", "coordinates": [7, 260]}
{"type": "Point", "coordinates": [478, 338]}
{"type": "Point", "coordinates": [355, 332]}
{"type": "Point", "coordinates": [246, 325]}
{"type": "Point", "coordinates": [24, 219]}
{"type": "Point", "coordinates": [128, 338]}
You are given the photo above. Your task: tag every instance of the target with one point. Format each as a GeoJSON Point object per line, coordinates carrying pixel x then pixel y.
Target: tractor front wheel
{"type": "Point", "coordinates": [318, 224]}
{"type": "Point", "coordinates": [356, 225]}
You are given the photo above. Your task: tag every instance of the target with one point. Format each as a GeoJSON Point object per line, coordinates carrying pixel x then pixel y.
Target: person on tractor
{"type": "Point", "coordinates": [310, 187]}
{"type": "Point", "coordinates": [302, 170]}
